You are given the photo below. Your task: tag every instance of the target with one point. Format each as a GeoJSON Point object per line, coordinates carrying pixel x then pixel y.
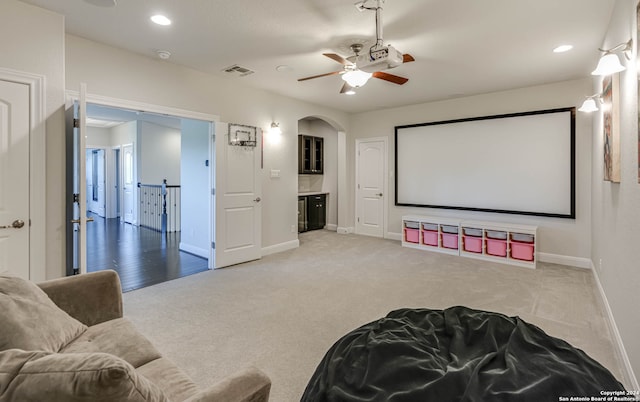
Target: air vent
{"type": "Point", "coordinates": [236, 69]}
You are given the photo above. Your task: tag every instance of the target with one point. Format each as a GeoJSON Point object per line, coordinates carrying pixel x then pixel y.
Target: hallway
{"type": "Point", "coordinates": [142, 257]}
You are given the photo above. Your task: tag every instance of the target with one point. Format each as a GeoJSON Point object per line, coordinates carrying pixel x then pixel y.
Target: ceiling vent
{"type": "Point", "coordinates": [236, 69]}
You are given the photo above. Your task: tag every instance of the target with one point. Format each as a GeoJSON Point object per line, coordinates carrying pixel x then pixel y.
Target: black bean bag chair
{"type": "Point", "coordinates": [456, 354]}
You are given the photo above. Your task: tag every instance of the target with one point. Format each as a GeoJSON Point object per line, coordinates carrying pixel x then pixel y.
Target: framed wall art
{"type": "Point", "coordinates": [611, 127]}
{"type": "Point", "coordinates": [638, 69]}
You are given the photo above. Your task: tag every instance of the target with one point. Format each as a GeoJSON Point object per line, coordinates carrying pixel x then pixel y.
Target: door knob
{"type": "Point", "coordinates": [379, 194]}
{"type": "Point", "coordinates": [17, 224]}
{"type": "Point", "coordinates": [257, 199]}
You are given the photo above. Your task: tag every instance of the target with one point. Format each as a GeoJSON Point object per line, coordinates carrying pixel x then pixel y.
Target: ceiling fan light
{"type": "Point", "coordinates": [608, 64]}
{"type": "Point", "coordinates": [356, 78]}
{"type": "Point", "coordinates": [588, 106]}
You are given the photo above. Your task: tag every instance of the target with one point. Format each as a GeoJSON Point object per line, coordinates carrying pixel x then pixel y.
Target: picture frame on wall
{"type": "Point", "coordinates": [638, 69]}
{"type": "Point", "coordinates": [611, 128]}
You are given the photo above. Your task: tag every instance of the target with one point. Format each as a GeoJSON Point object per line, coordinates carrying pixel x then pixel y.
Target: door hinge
{"type": "Point", "coordinates": [213, 245]}
{"type": "Point", "coordinates": [76, 197]}
{"type": "Point", "coordinates": [358, 219]}
{"type": "Point", "coordinates": [76, 123]}
{"type": "Point", "coordinates": [213, 191]}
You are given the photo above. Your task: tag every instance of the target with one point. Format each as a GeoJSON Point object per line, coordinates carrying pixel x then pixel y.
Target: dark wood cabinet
{"type": "Point", "coordinates": [312, 212]}
{"type": "Point", "coordinates": [310, 154]}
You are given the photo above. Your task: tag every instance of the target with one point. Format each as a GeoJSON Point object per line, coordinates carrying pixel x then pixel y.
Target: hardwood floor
{"type": "Point", "coordinates": [141, 256]}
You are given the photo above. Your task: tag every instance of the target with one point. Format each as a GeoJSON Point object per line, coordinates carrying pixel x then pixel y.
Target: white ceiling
{"type": "Point", "coordinates": [461, 47]}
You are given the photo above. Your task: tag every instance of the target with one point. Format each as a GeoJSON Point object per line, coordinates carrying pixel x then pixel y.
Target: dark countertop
{"type": "Point", "coordinates": [312, 193]}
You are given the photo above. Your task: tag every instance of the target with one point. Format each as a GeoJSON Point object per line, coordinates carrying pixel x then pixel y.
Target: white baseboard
{"type": "Point", "coordinates": [200, 252]}
{"type": "Point", "coordinates": [394, 236]}
{"type": "Point", "coordinates": [277, 248]}
{"type": "Point", "coordinates": [630, 381]}
{"type": "Point", "coordinates": [345, 230]}
{"type": "Point", "coordinates": [331, 226]}
{"type": "Point", "coordinates": [578, 262]}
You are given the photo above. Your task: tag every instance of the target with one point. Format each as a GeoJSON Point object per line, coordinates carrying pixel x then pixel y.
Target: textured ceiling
{"type": "Point", "coordinates": [461, 47]}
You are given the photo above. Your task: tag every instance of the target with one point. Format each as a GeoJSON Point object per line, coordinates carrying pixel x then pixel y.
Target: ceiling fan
{"type": "Point", "coordinates": [360, 67]}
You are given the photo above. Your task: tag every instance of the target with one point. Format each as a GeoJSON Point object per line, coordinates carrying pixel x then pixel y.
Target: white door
{"type": "Point", "coordinates": [79, 187]}
{"type": "Point", "coordinates": [238, 209]}
{"type": "Point", "coordinates": [96, 181]}
{"type": "Point", "coordinates": [127, 182]}
{"type": "Point", "coordinates": [371, 157]}
{"type": "Point", "coordinates": [14, 179]}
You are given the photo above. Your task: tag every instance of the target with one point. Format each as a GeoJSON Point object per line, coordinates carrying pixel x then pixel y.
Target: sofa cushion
{"type": "Point", "coordinates": [71, 377]}
{"type": "Point", "coordinates": [118, 337]}
{"type": "Point", "coordinates": [30, 320]}
{"type": "Point", "coordinates": [173, 382]}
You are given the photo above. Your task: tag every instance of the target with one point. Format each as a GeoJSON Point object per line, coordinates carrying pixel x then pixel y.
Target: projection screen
{"type": "Point", "coordinates": [521, 163]}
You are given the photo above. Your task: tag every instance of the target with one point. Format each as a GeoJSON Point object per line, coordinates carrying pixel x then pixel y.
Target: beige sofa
{"type": "Point", "coordinates": [67, 340]}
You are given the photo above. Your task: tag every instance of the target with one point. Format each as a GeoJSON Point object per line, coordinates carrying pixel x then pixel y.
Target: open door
{"type": "Point", "coordinates": [238, 206]}
{"type": "Point", "coordinates": [76, 184]}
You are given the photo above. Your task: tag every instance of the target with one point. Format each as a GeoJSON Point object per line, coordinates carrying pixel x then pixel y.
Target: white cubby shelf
{"type": "Point", "coordinates": [490, 241]}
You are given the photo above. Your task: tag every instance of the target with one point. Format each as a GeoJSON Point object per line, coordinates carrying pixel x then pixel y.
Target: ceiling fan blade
{"type": "Point", "coordinates": [320, 75]}
{"type": "Point", "coordinates": [406, 58]}
{"type": "Point", "coordinates": [390, 77]}
{"type": "Point", "coordinates": [338, 58]}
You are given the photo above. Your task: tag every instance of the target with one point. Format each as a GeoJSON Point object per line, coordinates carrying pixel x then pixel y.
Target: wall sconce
{"type": "Point", "coordinates": [610, 62]}
{"type": "Point", "coordinates": [590, 105]}
{"type": "Point", "coordinates": [275, 133]}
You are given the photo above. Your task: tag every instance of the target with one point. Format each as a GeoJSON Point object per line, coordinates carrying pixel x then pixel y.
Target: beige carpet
{"type": "Point", "coordinates": [283, 312]}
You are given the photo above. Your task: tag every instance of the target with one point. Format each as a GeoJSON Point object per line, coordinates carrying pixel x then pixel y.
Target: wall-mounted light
{"type": "Point", "coordinates": [591, 103]}
{"type": "Point", "coordinates": [274, 133]}
{"type": "Point", "coordinates": [610, 62]}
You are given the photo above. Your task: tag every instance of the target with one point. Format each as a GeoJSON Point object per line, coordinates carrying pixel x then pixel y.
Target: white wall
{"type": "Point", "coordinates": [195, 190]}
{"type": "Point", "coordinates": [566, 239]}
{"type": "Point", "coordinates": [124, 134]}
{"type": "Point", "coordinates": [99, 137]}
{"type": "Point", "coordinates": [159, 154]}
{"type": "Point", "coordinates": [616, 206]}
{"type": "Point", "coordinates": [119, 74]}
{"type": "Point", "coordinates": [33, 41]}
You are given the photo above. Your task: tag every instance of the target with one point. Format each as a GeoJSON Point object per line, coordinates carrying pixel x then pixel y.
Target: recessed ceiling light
{"type": "Point", "coordinates": [161, 20]}
{"type": "Point", "coordinates": [562, 48]}
{"type": "Point", "coordinates": [163, 54]}
{"type": "Point", "coordinates": [284, 68]}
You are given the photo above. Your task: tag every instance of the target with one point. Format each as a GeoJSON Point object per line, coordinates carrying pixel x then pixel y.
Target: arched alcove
{"type": "Point", "coordinates": [333, 179]}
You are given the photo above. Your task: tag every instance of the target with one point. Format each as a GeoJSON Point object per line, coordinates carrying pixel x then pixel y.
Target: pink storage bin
{"type": "Point", "coordinates": [522, 251]}
{"type": "Point", "coordinates": [411, 235]}
{"type": "Point", "coordinates": [450, 240]}
{"type": "Point", "coordinates": [497, 247]}
{"type": "Point", "coordinates": [472, 244]}
{"type": "Point", "coordinates": [430, 238]}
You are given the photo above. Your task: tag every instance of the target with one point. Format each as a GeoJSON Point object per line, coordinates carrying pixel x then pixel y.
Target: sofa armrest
{"type": "Point", "coordinates": [89, 298]}
{"type": "Point", "coordinates": [248, 385]}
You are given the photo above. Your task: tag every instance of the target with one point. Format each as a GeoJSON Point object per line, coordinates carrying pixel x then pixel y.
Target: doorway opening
{"type": "Point", "coordinates": [147, 180]}
{"type": "Point", "coordinates": [324, 185]}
